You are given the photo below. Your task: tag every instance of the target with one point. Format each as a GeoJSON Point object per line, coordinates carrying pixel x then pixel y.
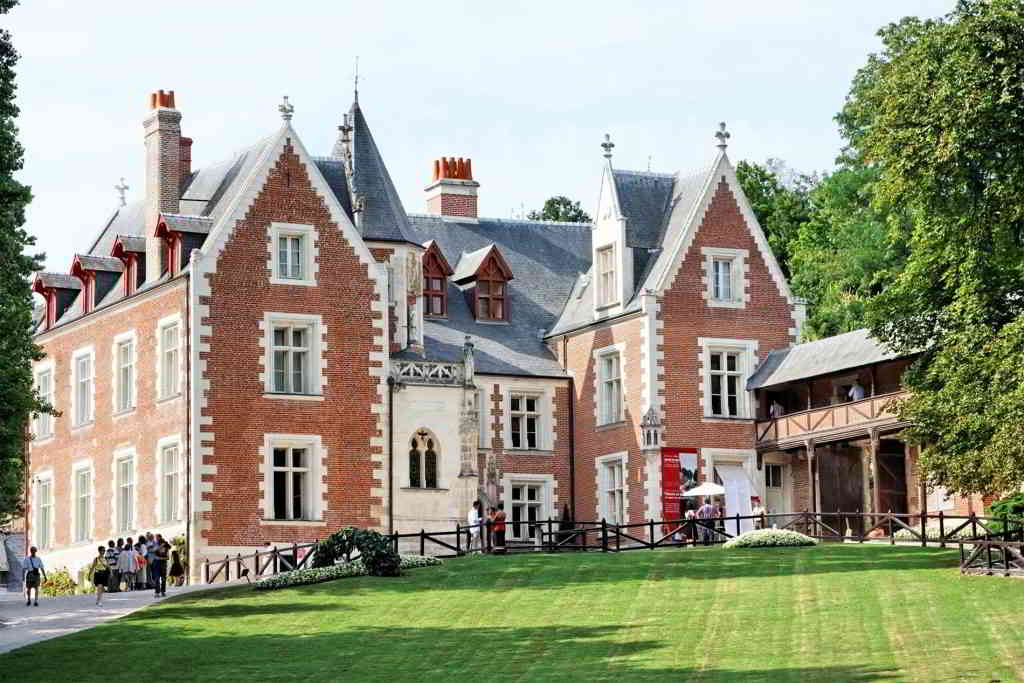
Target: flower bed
{"type": "Point", "coordinates": [770, 538]}
{"type": "Point", "coordinates": [932, 533]}
{"type": "Point", "coordinates": [303, 577]}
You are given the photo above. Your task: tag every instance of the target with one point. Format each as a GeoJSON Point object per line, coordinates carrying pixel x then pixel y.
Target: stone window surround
{"type": "Point", "coordinates": [598, 354]}
{"type": "Point", "coordinates": [317, 351]}
{"type": "Point", "coordinates": [78, 466]}
{"type": "Point", "coordinates": [739, 275]}
{"type": "Point", "coordinates": [748, 360]}
{"type": "Point", "coordinates": [317, 478]}
{"type": "Point", "coordinates": [310, 252]}
{"type": "Point", "coordinates": [603, 298]}
{"type": "Point", "coordinates": [115, 361]}
{"type": "Point", "coordinates": [158, 510]}
{"type": "Point", "coordinates": [120, 455]}
{"type": "Point", "coordinates": [549, 503]}
{"type": "Point", "coordinates": [162, 324]}
{"type": "Point", "coordinates": [45, 475]}
{"type": "Point", "coordinates": [48, 365]}
{"type": "Point", "coordinates": [546, 408]}
{"type": "Point", "coordinates": [75, 355]}
{"type": "Point", "coordinates": [600, 463]}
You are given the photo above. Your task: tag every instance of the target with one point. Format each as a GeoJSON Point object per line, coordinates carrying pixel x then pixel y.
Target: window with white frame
{"type": "Point", "coordinates": [125, 494]}
{"type": "Point", "coordinates": [83, 504]}
{"type": "Point", "coordinates": [290, 257]}
{"type": "Point", "coordinates": [613, 489]}
{"type": "Point", "coordinates": [125, 374]}
{"type": "Point", "coordinates": [44, 513]}
{"type": "Point", "coordinates": [527, 505]}
{"type": "Point", "coordinates": [170, 482]}
{"type": "Point", "coordinates": [721, 279]}
{"type": "Point", "coordinates": [83, 388]}
{"type": "Point", "coordinates": [610, 388]}
{"type": "Point", "coordinates": [726, 277]}
{"type": "Point", "coordinates": [292, 254]}
{"type": "Point", "coordinates": [291, 493]}
{"type": "Point", "coordinates": [524, 420]}
{"type": "Point", "coordinates": [291, 369]}
{"type": "Point", "coordinates": [726, 375]}
{"type": "Point", "coordinates": [44, 387]}
{"type": "Point", "coordinates": [170, 348]}
{"type": "Point", "coordinates": [606, 287]}
{"type": "Point", "coordinates": [773, 476]}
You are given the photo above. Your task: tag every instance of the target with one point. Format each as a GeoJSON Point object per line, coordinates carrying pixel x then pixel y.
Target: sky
{"type": "Point", "coordinates": [527, 90]}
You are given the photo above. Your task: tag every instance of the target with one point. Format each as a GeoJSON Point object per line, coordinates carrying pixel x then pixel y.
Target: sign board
{"type": "Point", "coordinates": [678, 473]}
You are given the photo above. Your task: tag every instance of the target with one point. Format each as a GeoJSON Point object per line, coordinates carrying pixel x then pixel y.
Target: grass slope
{"type": "Point", "coordinates": [834, 613]}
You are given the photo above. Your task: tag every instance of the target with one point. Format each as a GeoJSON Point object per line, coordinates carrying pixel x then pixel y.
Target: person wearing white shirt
{"type": "Point", "coordinates": [474, 518]}
{"type": "Point", "coordinates": [856, 392]}
{"type": "Point", "coordinates": [35, 574]}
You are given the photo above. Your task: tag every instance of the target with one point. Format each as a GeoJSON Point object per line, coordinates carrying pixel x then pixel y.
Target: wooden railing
{"type": "Point", "coordinates": [1001, 539]}
{"type": "Point", "coordinates": [826, 420]}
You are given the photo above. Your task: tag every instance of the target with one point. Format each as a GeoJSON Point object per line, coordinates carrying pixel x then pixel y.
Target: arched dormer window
{"type": "Point", "coordinates": [423, 461]}
{"type": "Point", "coordinates": [435, 281]}
{"type": "Point", "coordinates": [490, 274]}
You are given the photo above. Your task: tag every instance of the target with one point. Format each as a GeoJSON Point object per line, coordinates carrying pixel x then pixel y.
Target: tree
{"type": "Point", "coordinates": [940, 114]}
{"type": "Point", "coordinates": [561, 209]}
{"type": "Point", "coordinates": [780, 199]}
{"type": "Point", "coordinates": [18, 399]}
{"type": "Point", "coordinates": [843, 256]}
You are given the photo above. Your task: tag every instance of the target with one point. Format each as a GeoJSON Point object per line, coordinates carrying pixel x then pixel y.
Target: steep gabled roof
{"type": "Point", "coordinates": [382, 217]}
{"type": "Point", "coordinates": [105, 263]}
{"type": "Point", "coordinates": [56, 281]}
{"type": "Point", "coordinates": [643, 201]}
{"type": "Point", "coordinates": [433, 250]}
{"type": "Point", "coordinates": [173, 222]}
{"type": "Point", "coordinates": [470, 263]}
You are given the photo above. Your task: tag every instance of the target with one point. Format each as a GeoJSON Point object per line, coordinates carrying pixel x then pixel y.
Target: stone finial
{"type": "Point", "coordinates": [286, 109]}
{"type": "Point", "coordinates": [468, 361]}
{"type": "Point", "coordinates": [121, 189]}
{"type": "Point", "coordinates": [723, 136]}
{"type": "Point", "coordinates": [607, 146]}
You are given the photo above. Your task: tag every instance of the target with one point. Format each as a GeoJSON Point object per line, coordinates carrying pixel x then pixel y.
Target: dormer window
{"type": "Point", "coordinates": [606, 289]}
{"type": "Point", "coordinates": [179, 236]}
{"type": "Point", "coordinates": [98, 275]}
{"type": "Point", "coordinates": [435, 281]}
{"type": "Point", "coordinates": [131, 251]}
{"type": "Point", "coordinates": [489, 274]}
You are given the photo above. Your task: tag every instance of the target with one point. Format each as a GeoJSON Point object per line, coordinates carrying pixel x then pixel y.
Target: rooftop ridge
{"type": "Point", "coordinates": [649, 174]}
{"type": "Point", "coordinates": [524, 221]}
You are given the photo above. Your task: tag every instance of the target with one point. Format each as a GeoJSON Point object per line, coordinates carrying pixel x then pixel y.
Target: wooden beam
{"type": "Point", "coordinates": [876, 501]}
{"type": "Point", "coordinates": [812, 476]}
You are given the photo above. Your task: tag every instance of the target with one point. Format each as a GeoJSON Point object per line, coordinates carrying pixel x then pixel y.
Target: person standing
{"type": "Point", "coordinates": [141, 578]}
{"type": "Point", "coordinates": [150, 554]}
{"type": "Point", "coordinates": [705, 514]}
{"type": "Point", "coordinates": [126, 566]}
{"type": "Point", "coordinates": [475, 519]}
{"type": "Point", "coordinates": [33, 568]}
{"type": "Point", "coordinates": [757, 510]}
{"type": "Point", "coordinates": [856, 392]}
{"type": "Point", "coordinates": [113, 580]}
{"type": "Point", "coordinates": [499, 528]}
{"type": "Point", "coordinates": [99, 573]}
{"type": "Point", "coordinates": [159, 567]}
{"type": "Point", "coordinates": [177, 571]}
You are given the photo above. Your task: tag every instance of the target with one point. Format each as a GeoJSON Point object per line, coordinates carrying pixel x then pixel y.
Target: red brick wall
{"type": "Point", "coordinates": [382, 255]}
{"type": "Point", "coordinates": [453, 205]}
{"type": "Point", "coordinates": [141, 428]}
{"type": "Point", "coordinates": [241, 415]}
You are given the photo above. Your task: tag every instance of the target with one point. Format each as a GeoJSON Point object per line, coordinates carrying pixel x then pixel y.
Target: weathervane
{"type": "Point", "coordinates": [286, 109]}
{"type": "Point", "coordinates": [723, 136]}
{"type": "Point", "coordinates": [121, 189]}
{"type": "Point", "coordinates": [607, 146]}
{"type": "Point", "coordinates": [355, 87]}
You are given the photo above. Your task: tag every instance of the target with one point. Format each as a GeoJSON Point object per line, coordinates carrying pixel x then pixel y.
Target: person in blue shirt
{"type": "Point", "coordinates": [35, 574]}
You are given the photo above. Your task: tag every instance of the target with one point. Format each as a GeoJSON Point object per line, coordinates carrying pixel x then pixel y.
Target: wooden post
{"type": "Point", "coordinates": [651, 534]}
{"type": "Point", "coordinates": [604, 536]}
{"type": "Point", "coordinates": [863, 525]}
{"type": "Point", "coordinates": [618, 537]}
{"type": "Point", "coordinates": [892, 538]}
{"type": "Point", "coordinates": [585, 534]}
{"type": "Point", "coordinates": [974, 526]}
{"type": "Point", "coordinates": [423, 541]}
{"type": "Point", "coordinates": [274, 556]}
{"type": "Point", "coordinates": [942, 530]}
{"type": "Point", "coordinates": [227, 569]}
{"type": "Point", "coordinates": [206, 571]}
{"type": "Point", "coordinates": [764, 523]}
{"type": "Point", "coordinates": [238, 564]}
{"type": "Point", "coordinates": [551, 538]}
{"type": "Point", "coordinates": [924, 531]}
{"type": "Point", "coordinates": [876, 498]}
{"type": "Point", "coordinates": [1006, 527]}
{"type": "Point", "coordinates": [811, 476]}
{"type": "Point", "coordinates": [737, 524]}
{"type": "Point", "coordinates": [458, 539]}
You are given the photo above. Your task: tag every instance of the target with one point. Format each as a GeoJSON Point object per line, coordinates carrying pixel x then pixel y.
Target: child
{"type": "Point", "coordinates": [177, 572]}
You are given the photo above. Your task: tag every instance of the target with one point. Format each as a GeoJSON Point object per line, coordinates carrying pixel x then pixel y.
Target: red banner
{"type": "Point", "coordinates": [672, 480]}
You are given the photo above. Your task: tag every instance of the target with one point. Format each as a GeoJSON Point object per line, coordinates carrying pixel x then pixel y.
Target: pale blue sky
{"type": "Point", "coordinates": [525, 89]}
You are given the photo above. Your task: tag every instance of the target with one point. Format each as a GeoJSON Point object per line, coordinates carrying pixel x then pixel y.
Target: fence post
{"type": "Point", "coordinates": [604, 536]}
{"type": "Point", "coordinates": [974, 526]}
{"type": "Point", "coordinates": [206, 571]}
{"type": "Point", "coordinates": [488, 530]}
{"type": "Point", "coordinates": [1006, 527]}
{"type": "Point", "coordinates": [274, 555]}
{"type": "Point", "coordinates": [863, 524]}
{"type": "Point", "coordinates": [227, 569]}
{"type": "Point", "coordinates": [458, 539]}
{"type": "Point", "coordinates": [892, 537]}
{"type": "Point", "coordinates": [942, 530]}
{"type": "Point", "coordinates": [238, 564]}
{"type": "Point", "coordinates": [651, 527]}
{"type": "Point", "coordinates": [737, 524]}
{"type": "Point", "coordinates": [423, 542]}
{"type": "Point", "coordinates": [585, 534]}
{"type": "Point", "coordinates": [764, 522]}
{"type": "Point", "coordinates": [924, 531]}
{"type": "Point", "coordinates": [551, 539]}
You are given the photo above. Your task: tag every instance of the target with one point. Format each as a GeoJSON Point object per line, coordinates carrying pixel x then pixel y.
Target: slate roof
{"type": "Point", "coordinates": [832, 354]}
{"type": "Point", "coordinates": [383, 217]}
{"type": "Point", "coordinates": [545, 258]}
{"type": "Point", "coordinates": [59, 281]}
{"type": "Point", "coordinates": [106, 263]}
{"type": "Point", "coordinates": [195, 224]}
{"type": "Point", "coordinates": [469, 263]}
{"type": "Point", "coordinates": [643, 201]}
{"type": "Point", "coordinates": [133, 243]}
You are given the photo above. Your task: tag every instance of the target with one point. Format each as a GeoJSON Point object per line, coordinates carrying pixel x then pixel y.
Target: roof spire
{"type": "Point", "coordinates": [121, 189]}
{"type": "Point", "coordinates": [286, 109]}
{"type": "Point", "coordinates": [607, 146]}
{"type": "Point", "coordinates": [355, 87]}
{"type": "Point", "coordinates": [723, 136]}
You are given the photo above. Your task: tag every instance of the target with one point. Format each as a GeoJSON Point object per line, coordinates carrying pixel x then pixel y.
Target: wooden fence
{"type": "Point", "coordinates": [999, 540]}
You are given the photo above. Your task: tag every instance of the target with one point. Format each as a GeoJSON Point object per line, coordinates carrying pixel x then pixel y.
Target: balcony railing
{"type": "Point", "coordinates": [837, 420]}
{"type": "Point", "coordinates": [427, 372]}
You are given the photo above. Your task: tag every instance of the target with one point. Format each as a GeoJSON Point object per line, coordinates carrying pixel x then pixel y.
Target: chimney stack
{"type": "Point", "coordinates": [164, 172]}
{"type": "Point", "coordinates": [186, 160]}
{"type": "Point", "coordinates": [452, 191]}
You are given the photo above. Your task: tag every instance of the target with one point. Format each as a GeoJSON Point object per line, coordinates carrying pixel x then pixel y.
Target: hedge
{"type": "Point", "coordinates": [770, 538]}
{"type": "Point", "coordinates": [303, 577]}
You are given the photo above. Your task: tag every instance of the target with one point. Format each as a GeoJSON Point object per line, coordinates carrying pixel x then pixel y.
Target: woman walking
{"type": "Point", "coordinates": [99, 573]}
{"type": "Point", "coordinates": [177, 572]}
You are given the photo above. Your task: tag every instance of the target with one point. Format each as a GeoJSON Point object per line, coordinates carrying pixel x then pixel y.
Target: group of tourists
{"type": "Point", "coordinates": [135, 565]}
{"type": "Point", "coordinates": [494, 523]}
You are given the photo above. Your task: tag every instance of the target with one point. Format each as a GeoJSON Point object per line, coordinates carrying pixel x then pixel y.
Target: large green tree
{"type": "Point", "coordinates": [780, 199]}
{"type": "Point", "coordinates": [18, 400]}
{"type": "Point", "coordinates": [940, 113]}
{"type": "Point", "coordinates": [562, 209]}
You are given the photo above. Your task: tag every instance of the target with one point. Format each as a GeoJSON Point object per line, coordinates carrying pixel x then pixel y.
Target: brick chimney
{"type": "Point", "coordinates": [163, 170]}
{"type": "Point", "coordinates": [186, 160]}
{"type": "Point", "coordinates": [452, 192]}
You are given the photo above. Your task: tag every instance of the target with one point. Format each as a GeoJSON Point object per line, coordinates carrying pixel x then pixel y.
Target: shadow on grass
{"type": "Point", "coordinates": [597, 653]}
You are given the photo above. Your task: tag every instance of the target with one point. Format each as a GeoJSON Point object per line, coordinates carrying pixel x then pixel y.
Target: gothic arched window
{"type": "Point", "coordinates": [414, 465]}
{"type": "Point", "coordinates": [423, 461]}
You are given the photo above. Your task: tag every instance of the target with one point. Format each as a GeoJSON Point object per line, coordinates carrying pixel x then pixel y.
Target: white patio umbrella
{"type": "Point", "coordinates": [706, 489]}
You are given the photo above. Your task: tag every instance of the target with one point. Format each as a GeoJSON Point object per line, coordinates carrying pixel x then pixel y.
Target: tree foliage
{"type": "Point", "coordinates": [940, 114]}
{"type": "Point", "coordinates": [780, 199]}
{"type": "Point", "coordinates": [18, 400]}
{"type": "Point", "coordinates": [561, 209]}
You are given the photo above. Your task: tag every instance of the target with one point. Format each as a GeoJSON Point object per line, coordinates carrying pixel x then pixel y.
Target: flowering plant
{"type": "Point", "coordinates": [303, 577]}
{"type": "Point", "coordinates": [768, 538]}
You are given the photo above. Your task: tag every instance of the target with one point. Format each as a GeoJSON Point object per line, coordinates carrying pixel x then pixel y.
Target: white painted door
{"type": "Point", "coordinates": [774, 488]}
{"type": "Point", "coordinates": [737, 495]}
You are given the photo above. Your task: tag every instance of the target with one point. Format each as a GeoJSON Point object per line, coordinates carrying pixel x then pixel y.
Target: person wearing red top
{"type": "Point", "coordinates": [499, 529]}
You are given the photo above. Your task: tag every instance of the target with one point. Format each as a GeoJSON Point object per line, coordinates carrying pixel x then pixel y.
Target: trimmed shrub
{"type": "Point", "coordinates": [58, 583]}
{"type": "Point", "coordinates": [304, 577]}
{"type": "Point", "coordinates": [375, 551]}
{"type": "Point", "coordinates": [770, 538]}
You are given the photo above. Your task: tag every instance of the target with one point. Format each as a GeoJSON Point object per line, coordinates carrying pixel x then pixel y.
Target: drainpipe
{"type": "Point", "coordinates": [391, 456]}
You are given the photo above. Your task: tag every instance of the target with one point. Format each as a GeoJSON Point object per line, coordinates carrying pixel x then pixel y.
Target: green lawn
{"type": "Point", "coordinates": [832, 613]}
